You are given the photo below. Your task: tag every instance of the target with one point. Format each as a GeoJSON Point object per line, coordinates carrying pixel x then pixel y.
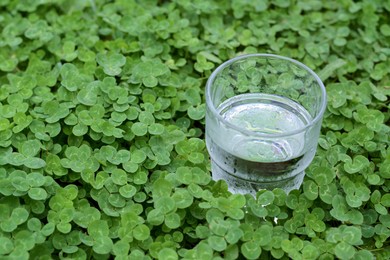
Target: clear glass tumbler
{"type": "Point", "coordinates": [263, 120]}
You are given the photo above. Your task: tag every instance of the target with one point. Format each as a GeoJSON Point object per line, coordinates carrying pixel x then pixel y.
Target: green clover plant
{"type": "Point", "coordinates": [102, 130]}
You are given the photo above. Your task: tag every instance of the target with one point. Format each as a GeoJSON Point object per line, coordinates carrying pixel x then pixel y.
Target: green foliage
{"type": "Point", "coordinates": [102, 151]}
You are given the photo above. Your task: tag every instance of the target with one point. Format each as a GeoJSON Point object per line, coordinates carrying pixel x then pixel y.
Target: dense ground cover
{"type": "Point", "coordinates": [102, 150]}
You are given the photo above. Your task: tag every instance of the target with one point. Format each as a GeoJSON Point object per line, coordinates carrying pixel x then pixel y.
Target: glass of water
{"type": "Point", "coordinates": [263, 120]}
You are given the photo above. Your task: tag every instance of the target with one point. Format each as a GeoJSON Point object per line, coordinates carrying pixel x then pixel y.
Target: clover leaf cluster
{"type": "Point", "coordinates": [102, 151]}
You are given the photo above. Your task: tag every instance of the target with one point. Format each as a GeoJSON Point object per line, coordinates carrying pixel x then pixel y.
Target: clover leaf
{"type": "Point", "coordinates": [89, 94]}
{"type": "Point", "coordinates": [148, 72]}
{"type": "Point", "coordinates": [72, 79]}
{"type": "Point", "coordinates": [79, 159]}
{"type": "Point", "coordinates": [111, 62]}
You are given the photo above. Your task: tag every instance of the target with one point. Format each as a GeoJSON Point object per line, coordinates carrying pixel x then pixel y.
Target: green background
{"type": "Point", "coordinates": [102, 151]}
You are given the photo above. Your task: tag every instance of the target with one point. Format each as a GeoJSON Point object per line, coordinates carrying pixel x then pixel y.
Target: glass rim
{"type": "Point", "coordinates": [214, 111]}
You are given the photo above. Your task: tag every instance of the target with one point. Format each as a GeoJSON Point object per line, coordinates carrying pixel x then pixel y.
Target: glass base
{"type": "Point", "coordinates": [238, 185]}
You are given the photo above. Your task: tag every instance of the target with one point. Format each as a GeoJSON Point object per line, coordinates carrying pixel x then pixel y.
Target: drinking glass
{"type": "Point", "coordinates": [263, 120]}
